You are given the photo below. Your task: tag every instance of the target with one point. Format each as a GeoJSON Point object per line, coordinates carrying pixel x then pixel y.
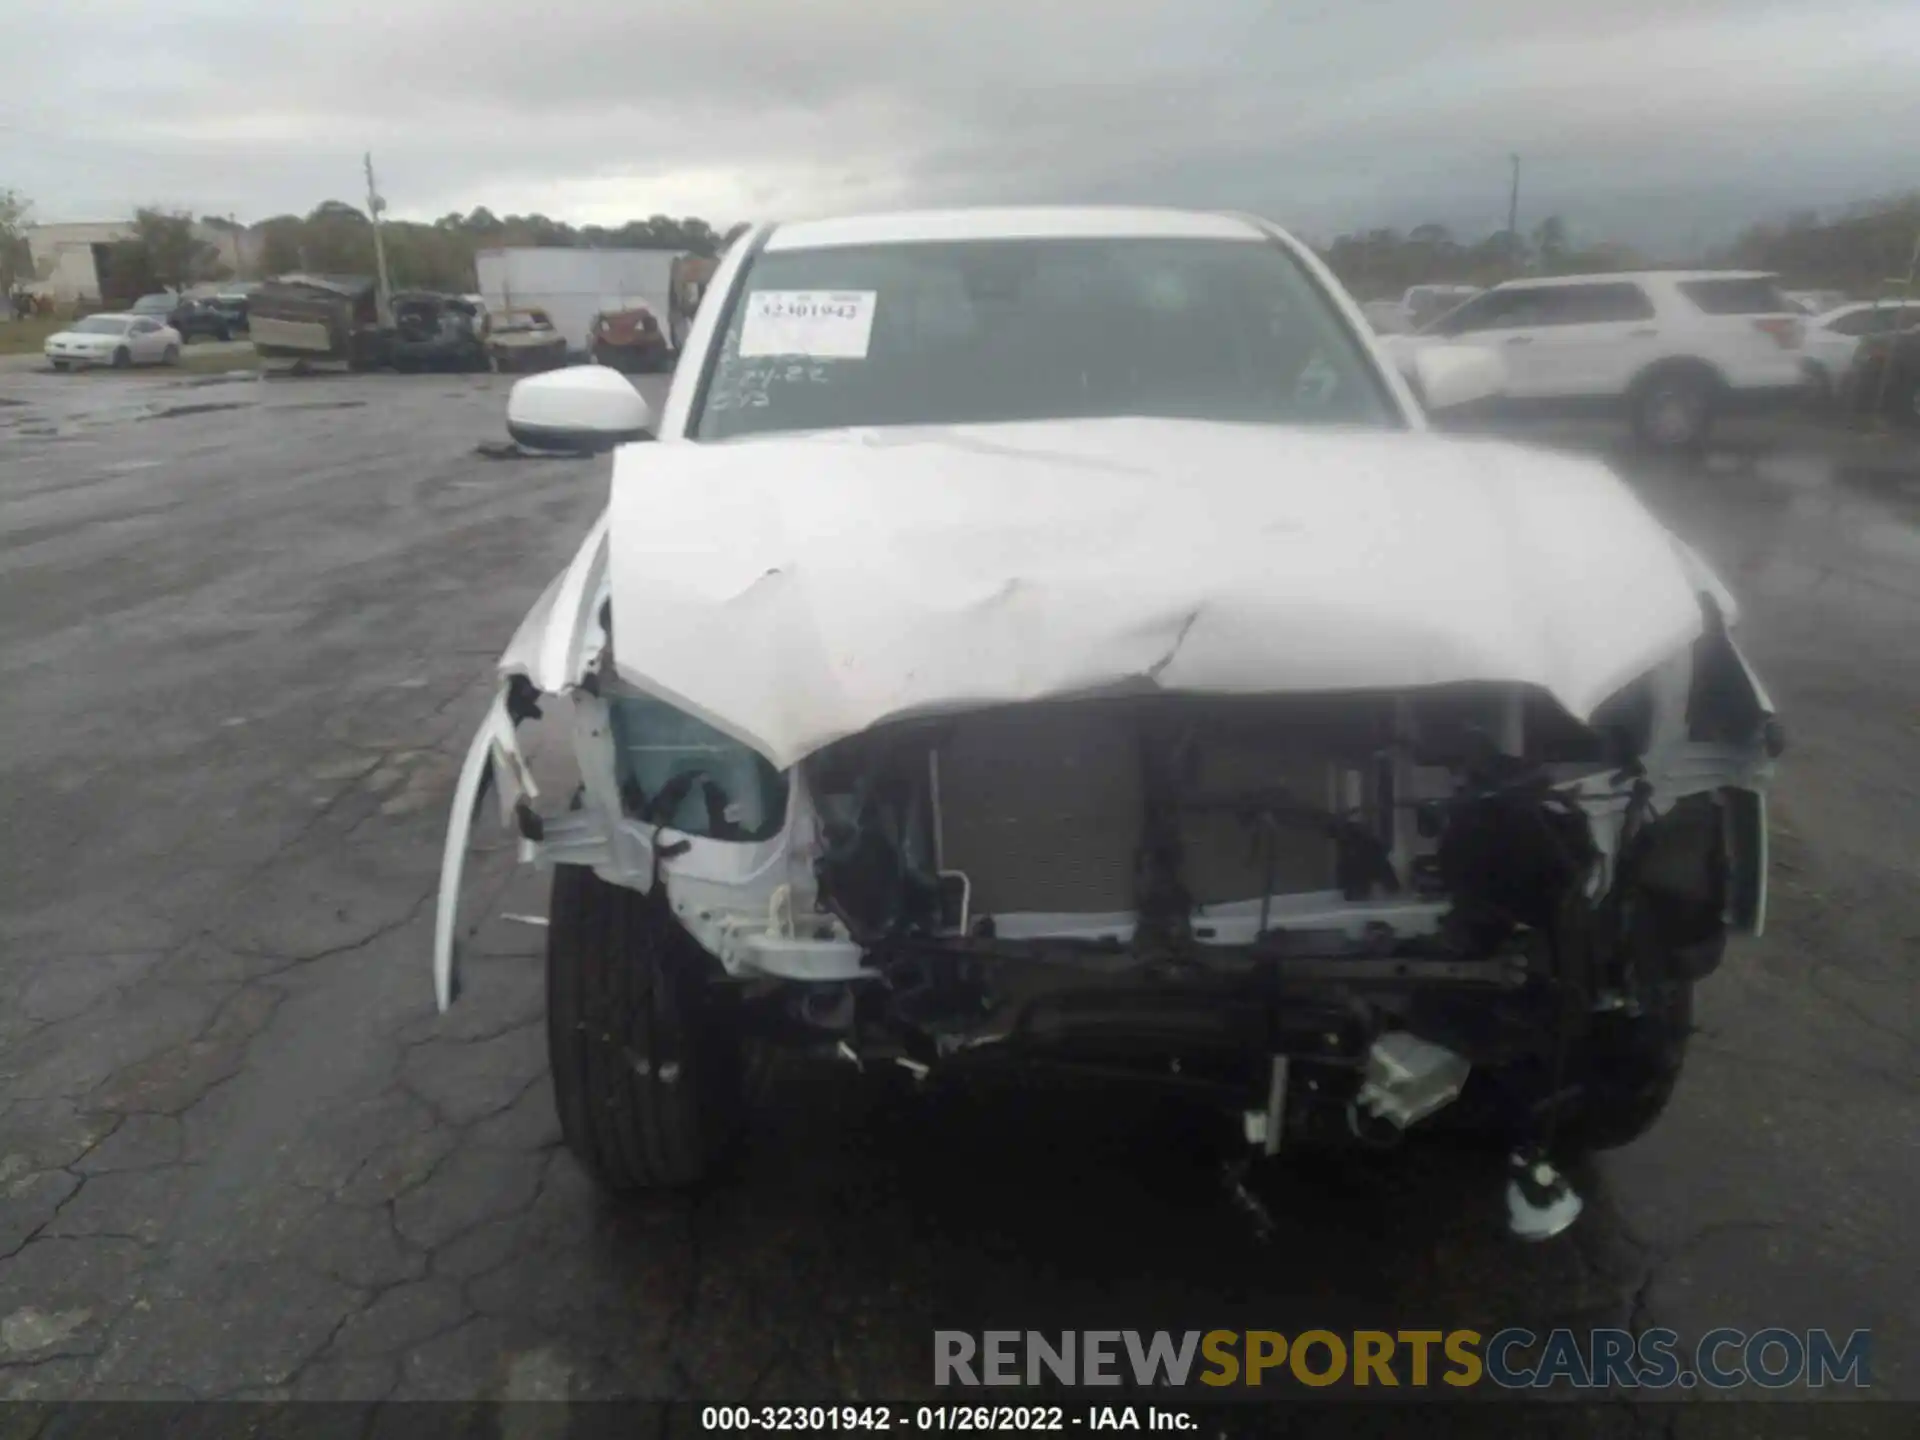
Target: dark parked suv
{"type": "Point", "coordinates": [191, 317]}
{"type": "Point", "coordinates": [231, 305]}
{"type": "Point", "coordinates": [1885, 377]}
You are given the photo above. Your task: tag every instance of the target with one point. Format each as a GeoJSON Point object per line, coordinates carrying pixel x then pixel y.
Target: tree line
{"type": "Point", "coordinates": [1863, 249]}
{"type": "Point", "coordinates": [166, 249]}
{"type": "Point", "coordinates": [1381, 264]}
{"type": "Point", "coordinates": [1858, 249]}
{"type": "Point", "coordinates": [337, 238]}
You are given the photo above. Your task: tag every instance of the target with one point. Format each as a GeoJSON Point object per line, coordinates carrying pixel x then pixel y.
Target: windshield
{"type": "Point", "coordinates": [100, 325]}
{"type": "Point", "coordinates": [980, 331]}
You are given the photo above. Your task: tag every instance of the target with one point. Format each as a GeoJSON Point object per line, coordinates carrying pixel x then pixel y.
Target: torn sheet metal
{"type": "Point", "coordinates": [493, 757]}
{"type": "Point", "coordinates": [559, 640]}
{"type": "Point", "coordinates": [794, 590]}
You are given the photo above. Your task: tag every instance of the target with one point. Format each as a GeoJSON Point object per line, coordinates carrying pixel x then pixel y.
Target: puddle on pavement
{"type": "Point", "coordinates": [1866, 509]}
{"type": "Point", "coordinates": [205, 408]}
{"type": "Point", "coordinates": [200, 382]}
{"type": "Point", "coordinates": [509, 450]}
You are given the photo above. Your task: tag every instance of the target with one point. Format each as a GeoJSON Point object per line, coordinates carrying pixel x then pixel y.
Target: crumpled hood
{"type": "Point", "coordinates": [794, 590]}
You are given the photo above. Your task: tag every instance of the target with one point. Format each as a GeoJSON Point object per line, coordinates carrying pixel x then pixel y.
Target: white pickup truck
{"type": "Point", "coordinates": [1054, 640]}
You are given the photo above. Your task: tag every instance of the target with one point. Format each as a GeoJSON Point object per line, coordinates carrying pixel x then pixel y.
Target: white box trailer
{"type": "Point", "coordinates": [573, 286]}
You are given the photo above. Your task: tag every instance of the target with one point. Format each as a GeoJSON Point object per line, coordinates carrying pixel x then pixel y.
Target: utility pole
{"type": "Point", "coordinates": [374, 206]}
{"type": "Point", "coordinates": [233, 233]}
{"type": "Point", "coordinates": [1513, 220]}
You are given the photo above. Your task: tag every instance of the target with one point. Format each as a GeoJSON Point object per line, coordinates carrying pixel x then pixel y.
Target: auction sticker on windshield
{"type": "Point", "coordinates": [829, 324]}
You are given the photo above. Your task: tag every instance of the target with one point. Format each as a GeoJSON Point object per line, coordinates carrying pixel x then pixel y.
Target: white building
{"type": "Point", "coordinates": [68, 259]}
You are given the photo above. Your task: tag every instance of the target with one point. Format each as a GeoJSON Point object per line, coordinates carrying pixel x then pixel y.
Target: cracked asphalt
{"type": "Point", "coordinates": [245, 631]}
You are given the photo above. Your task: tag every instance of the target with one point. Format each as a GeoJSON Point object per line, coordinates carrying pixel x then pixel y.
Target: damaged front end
{"type": "Point", "coordinates": [1322, 912]}
{"type": "Point", "coordinates": [1421, 793]}
{"type": "Point", "coordinates": [1332, 915]}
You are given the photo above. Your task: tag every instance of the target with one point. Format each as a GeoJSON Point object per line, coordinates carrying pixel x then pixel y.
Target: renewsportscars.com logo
{"type": "Point", "coordinates": [1512, 1359]}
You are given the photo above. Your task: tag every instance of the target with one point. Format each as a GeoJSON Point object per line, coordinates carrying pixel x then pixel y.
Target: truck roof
{"type": "Point", "coordinates": [1012, 223]}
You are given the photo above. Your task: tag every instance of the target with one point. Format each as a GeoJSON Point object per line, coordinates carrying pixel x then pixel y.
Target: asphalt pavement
{"type": "Point", "coordinates": [33, 360]}
{"type": "Point", "coordinates": [246, 628]}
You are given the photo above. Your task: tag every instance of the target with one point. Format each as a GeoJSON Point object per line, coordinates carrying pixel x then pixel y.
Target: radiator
{"type": "Point", "coordinates": [1041, 806]}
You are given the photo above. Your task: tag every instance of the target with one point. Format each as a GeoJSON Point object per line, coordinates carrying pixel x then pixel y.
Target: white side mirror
{"type": "Point", "coordinates": [1448, 376]}
{"type": "Point", "coordinates": [583, 409]}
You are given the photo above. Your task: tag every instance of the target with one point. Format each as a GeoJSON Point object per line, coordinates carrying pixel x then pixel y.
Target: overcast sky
{"type": "Point", "coordinates": [1660, 121]}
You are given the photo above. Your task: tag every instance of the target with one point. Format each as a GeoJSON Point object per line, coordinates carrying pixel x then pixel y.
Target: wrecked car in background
{"type": "Point", "coordinates": [1055, 640]}
{"type": "Point", "coordinates": [521, 340]}
{"type": "Point", "coordinates": [326, 319]}
{"type": "Point", "coordinates": [630, 341]}
{"type": "Point", "coordinates": [439, 332]}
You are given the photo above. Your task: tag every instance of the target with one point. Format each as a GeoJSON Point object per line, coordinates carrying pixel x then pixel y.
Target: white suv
{"type": "Point", "coordinates": [1675, 347]}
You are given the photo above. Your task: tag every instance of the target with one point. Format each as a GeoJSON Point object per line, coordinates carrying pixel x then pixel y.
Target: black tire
{"type": "Point", "coordinates": [1903, 400]}
{"type": "Point", "coordinates": [223, 334]}
{"type": "Point", "coordinates": [1672, 409]}
{"type": "Point", "coordinates": [170, 356]}
{"type": "Point", "coordinates": [647, 1064]}
{"type": "Point", "coordinates": [122, 358]}
{"type": "Point", "coordinates": [59, 364]}
{"type": "Point", "coordinates": [1628, 1069]}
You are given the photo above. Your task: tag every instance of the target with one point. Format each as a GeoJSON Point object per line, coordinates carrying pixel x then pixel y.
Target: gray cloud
{"type": "Point", "coordinates": [1648, 119]}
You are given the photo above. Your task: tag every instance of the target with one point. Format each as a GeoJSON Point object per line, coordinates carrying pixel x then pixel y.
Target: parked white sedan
{"type": "Point", "coordinates": [116, 340]}
{"type": "Point", "coordinates": [1834, 336]}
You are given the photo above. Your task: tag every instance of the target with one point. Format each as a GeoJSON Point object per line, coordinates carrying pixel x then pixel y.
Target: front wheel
{"type": "Point", "coordinates": [1628, 1069]}
{"type": "Point", "coordinates": [1903, 400]}
{"type": "Point", "coordinates": [648, 1066]}
{"type": "Point", "coordinates": [1673, 410]}
{"type": "Point", "coordinates": [122, 358]}
{"type": "Point", "coordinates": [170, 356]}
